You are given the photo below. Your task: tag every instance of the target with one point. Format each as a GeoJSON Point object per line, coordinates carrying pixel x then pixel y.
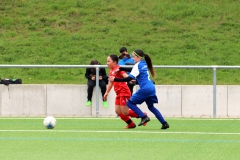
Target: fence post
{"type": "Point", "coordinates": [214, 91]}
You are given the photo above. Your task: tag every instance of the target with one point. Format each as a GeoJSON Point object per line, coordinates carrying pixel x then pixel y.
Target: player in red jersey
{"type": "Point", "coordinates": [122, 91]}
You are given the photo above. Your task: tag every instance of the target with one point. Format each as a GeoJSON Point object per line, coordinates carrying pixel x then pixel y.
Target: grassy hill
{"type": "Point", "coordinates": [176, 32]}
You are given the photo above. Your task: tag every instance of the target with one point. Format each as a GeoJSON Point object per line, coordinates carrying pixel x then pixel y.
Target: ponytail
{"type": "Point", "coordinates": [149, 64]}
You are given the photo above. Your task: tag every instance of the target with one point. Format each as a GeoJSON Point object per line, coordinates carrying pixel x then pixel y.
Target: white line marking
{"type": "Point", "coordinates": [141, 132]}
{"type": "Point", "coordinates": [117, 118]}
{"type": "Point", "coordinates": [87, 118]}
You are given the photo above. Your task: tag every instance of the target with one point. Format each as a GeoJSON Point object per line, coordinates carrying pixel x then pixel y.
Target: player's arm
{"type": "Point", "coordinates": [134, 73]}
{"type": "Point", "coordinates": [124, 74]}
{"type": "Point", "coordinates": [109, 87]}
{"type": "Point", "coordinates": [125, 69]}
{"type": "Point", "coordinates": [127, 79]}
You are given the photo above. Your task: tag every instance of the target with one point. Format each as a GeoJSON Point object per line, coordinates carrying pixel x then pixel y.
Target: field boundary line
{"type": "Point", "coordinates": [140, 132]}
{"type": "Point", "coordinates": [117, 118]}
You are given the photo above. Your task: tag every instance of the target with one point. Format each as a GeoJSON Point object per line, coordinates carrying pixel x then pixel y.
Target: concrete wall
{"type": "Point", "coordinates": [70, 100]}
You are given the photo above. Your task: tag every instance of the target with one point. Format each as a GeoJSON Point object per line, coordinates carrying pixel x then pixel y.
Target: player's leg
{"type": "Point", "coordinates": [128, 112]}
{"type": "Point", "coordinates": [133, 101]}
{"type": "Point", "coordinates": [138, 98]}
{"type": "Point", "coordinates": [124, 108]}
{"type": "Point", "coordinates": [127, 119]}
{"type": "Point", "coordinates": [150, 101]}
{"type": "Point", "coordinates": [117, 109]}
{"type": "Point", "coordinates": [143, 116]}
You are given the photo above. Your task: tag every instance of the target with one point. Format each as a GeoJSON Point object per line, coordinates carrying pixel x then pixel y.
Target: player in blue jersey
{"type": "Point", "coordinates": [147, 91]}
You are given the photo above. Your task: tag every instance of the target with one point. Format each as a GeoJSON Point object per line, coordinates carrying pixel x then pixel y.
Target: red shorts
{"type": "Point", "coordinates": [121, 100]}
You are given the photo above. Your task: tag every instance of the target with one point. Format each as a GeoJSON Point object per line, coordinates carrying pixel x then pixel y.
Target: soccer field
{"type": "Point", "coordinates": [105, 139]}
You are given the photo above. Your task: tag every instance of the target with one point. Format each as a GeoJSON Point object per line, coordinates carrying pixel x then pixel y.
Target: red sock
{"type": "Point", "coordinates": [131, 113]}
{"type": "Point", "coordinates": [125, 118]}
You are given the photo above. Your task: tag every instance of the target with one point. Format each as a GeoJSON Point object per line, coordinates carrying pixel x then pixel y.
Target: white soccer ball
{"type": "Point", "coordinates": [49, 122]}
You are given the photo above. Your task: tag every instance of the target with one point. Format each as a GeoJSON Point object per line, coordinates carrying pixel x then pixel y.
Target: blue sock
{"type": "Point", "coordinates": [157, 113]}
{"type": "Point", "coordinates": [133, 107]}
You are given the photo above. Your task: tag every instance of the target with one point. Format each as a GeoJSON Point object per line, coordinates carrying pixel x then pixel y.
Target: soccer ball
{"type": "Point", "coordinates": [49, 122]}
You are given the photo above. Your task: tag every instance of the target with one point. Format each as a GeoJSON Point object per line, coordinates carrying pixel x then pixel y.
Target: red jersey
{"type": "Point", "coordinates": [121, 88]}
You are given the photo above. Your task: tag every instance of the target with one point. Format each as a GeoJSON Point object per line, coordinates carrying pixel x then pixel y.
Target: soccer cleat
{"type": "Point", "coordinates": [105, 105]}
{"type": "Point", "coordinates": [144, 124]}
{"type": "Point", "coordinates": [165, 125]}
{"type": "Point", "coordinates": [144, 119]}
{"type": "Point", "coordinates": [130, 126]}
{"type": "Point", "coordinates": [89, 103]}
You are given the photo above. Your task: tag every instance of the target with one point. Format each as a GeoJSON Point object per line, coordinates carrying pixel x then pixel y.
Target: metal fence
{"type": "Point", "coordinates": [214, 68]}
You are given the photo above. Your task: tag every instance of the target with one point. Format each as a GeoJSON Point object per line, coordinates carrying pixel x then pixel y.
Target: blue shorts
{"type": "Point", "coordinates": [144, 96]}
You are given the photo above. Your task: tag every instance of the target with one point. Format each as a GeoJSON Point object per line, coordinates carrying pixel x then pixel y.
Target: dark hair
{"type": "Point", "coordinates": [94, 62]}
{"type": "Point", "coordinates": [147, 59]}
{"type": "Point", "coordinates": [114, 57]}
{"type": "Point", "coordinates": [122, 49]}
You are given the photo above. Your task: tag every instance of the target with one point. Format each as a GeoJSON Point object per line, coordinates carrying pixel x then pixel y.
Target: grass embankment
{"type": "Point", "coordinates": [73, 32]}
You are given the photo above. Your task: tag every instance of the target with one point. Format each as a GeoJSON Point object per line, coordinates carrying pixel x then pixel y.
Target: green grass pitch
{"type": "Point", "coordinates": [105, 139]}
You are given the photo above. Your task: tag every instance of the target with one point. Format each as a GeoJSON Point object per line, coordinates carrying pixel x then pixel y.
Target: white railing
{"type": "Point", "coordinates": [214, 68]}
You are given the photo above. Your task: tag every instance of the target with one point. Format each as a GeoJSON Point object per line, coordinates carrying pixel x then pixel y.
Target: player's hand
{"type": "Point", "coordinates": [105, 96]}
{"type": "Point", "coordinates": [111, 78]}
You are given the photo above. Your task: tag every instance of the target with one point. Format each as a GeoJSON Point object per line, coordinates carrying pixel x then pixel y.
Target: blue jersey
{"type": "Point", "coordinates": [147, 88]}
{"type": "Point", "coordinates": [126, 60]}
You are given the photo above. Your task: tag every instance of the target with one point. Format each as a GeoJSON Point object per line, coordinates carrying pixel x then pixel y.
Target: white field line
{"type": "Point", "coordinates": [140, 132]}
{"type": "Point", "coordinates": [117, 118]}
